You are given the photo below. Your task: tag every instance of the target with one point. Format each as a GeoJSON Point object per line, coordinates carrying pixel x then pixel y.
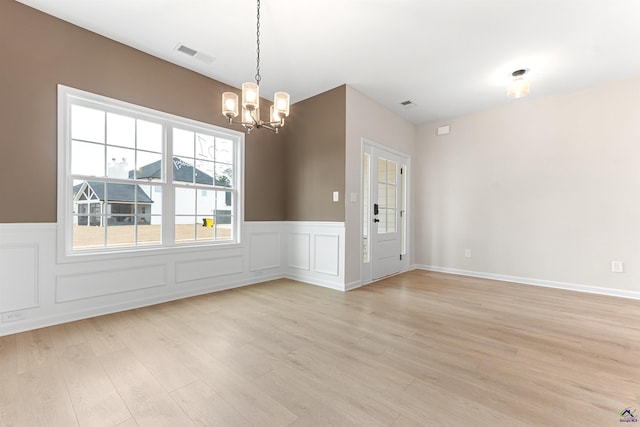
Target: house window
{"type": "Point", "coordinates": [131, 177]}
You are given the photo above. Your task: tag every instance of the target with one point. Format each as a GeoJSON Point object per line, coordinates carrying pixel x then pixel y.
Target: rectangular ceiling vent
{"type": "Point", "coordinates": [186, 50]}
{"type": "Point", "coordinates": [408, 104]}
{"type": "Point", "coordinates": [202, 57]}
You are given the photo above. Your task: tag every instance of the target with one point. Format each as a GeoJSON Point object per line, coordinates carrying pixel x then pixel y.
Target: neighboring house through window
{"type": "Point", "coordinates": [131, 177]}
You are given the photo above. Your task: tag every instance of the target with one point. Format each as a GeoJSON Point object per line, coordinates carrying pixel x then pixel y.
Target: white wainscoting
{"type": "Point", "coordinates": [300, 251]}
{"type": "Point", "coordinates": [19, 281]}
{"type": "Point", "coordinates": [316, 253]}
{"type": "Point", "coordinates": [36, 290]}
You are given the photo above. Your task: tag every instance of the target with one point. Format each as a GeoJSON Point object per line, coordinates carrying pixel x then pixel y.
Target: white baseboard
{"type": "Point", "coordinates": [353, 285]}
{"type": "Point", "coordinates": [535, 282]}
{"type": "Point", "coordinates": [336, 286]}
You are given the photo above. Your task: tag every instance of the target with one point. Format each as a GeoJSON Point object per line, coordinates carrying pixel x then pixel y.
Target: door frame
{"type": "Point", "coordinates": [366, 268]}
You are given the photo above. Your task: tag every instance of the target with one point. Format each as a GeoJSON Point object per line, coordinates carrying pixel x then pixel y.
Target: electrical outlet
{"type": "Point", "coordinates": [467, 253]}
{"type": "Point", "coordinates": [13, 316]}
{"type": "Point", "coordinates": [617, 267]}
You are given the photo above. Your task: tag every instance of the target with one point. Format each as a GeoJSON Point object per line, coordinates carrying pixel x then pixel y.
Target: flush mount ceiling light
{"type": "Point", "coordinates": [251, 100]}
{"type": "Point", "coordinates": [519, 85]}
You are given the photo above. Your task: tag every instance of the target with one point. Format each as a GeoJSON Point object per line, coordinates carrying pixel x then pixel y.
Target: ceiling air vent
{"type": "Point", "coordinates": [186, 50]}
{"type": "Point", "coordinates": [408, 104]}
{"type": "Point", "coordinates": [203, 57]}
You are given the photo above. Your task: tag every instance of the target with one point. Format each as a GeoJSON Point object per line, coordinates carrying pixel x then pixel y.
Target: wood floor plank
{"type": "Point", "coordinates": [314, 403]}
{"type": "Point", "coordinates": [420, 348]}
{"type": "Point", "coordinates": [95, 400]}
{"type": "Point", "coordinates": [145, 398]}
{"type": "Point", "coordinates": [41, 399]}
{"type": "Point", "coordinates": [258, 407]}
{"type": "Point", "coordinates": [205, 407]}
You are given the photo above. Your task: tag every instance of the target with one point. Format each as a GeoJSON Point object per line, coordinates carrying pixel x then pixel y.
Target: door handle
{"type": "Point", "coordinates": [375, 209]}
{"type": "Point", "coordinates": [376, 220]}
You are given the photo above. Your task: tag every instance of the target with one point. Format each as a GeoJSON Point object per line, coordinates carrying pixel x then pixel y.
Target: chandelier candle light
{"type": "Point", "coordinates": [251, 101]}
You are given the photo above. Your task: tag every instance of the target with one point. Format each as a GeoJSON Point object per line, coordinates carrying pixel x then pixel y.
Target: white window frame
{"type": "Point", "coordinates": [67, 97]}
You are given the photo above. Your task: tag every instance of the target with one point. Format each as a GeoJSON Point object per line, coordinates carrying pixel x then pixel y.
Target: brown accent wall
{"type": "Point", "coordinates": [40, 51]}
{"type": "Point", "coordinates": [315, 147]}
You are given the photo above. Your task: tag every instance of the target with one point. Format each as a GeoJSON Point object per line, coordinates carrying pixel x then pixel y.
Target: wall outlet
{"type": "Point", "coordinates": [617, 267]}
{"type": "Point", "coordinates": [13, 316]}
{"type": "Point", "coordinates": [467, 253]}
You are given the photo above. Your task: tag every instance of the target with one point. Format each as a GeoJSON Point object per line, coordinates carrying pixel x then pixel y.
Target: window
{"type": "Point", "coordinates": [135, 178]}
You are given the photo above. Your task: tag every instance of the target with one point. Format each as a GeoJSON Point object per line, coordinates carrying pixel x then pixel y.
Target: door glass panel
{"type": "Point", "coordinates": [391, 168]}
{"type": "Point", "coordinates": [387, 196]}
{"type": "Point", "coordinates": [391, 196]}
{"type": "Point", "coordinates": [382, 170]}
{"type": "Point", "coordinates": [382, 195]}
{"type": "Point", "coordinates": [382, 225]}
{"type": "Point", "coordinates": [391, 221]}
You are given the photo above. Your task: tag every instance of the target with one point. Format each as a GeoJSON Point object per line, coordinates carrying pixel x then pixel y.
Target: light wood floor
{"type": "Point", "coordinates": [419, 349]}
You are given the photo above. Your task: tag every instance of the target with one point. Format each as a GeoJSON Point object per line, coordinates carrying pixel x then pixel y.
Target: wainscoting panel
{"type": "Point", "coordinates": [100, 283]}
{"type": "Point", "coordinates": [327, 254]}
{"type": "Point", "coordinates": [187, 271]}
{"type": "Point", "coordinates": [299, 251]}
{"type": "Point", "coordinates": [19, 279]}
{"type": "Point", "coordinates": [265, 251]}
{"type": "Point", "coordinates": [322, 252]}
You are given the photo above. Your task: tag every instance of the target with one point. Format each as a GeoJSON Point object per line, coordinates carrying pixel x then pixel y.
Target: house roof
{"type": "Point", "coordinates": [182, 171]}
{"type": "Point", "coordinates": [117, 192]}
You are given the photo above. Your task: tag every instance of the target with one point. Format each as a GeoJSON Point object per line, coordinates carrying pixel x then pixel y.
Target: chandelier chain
{"type": "Point", "coordinates": [258, 77]}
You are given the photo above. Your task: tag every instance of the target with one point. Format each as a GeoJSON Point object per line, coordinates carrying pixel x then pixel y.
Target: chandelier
{"type": "Point", "coordinates": [250, 118]}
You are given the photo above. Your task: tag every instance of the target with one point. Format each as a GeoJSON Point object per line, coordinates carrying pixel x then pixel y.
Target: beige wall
{"type": "Point", "coordinates": [545, 189]}
{"type": "Point", "coordinates": [367, 119]}
{"type": "Point", "coordinates": [315, 158]}
{"type": "Point", "coordinates": [40, 51]}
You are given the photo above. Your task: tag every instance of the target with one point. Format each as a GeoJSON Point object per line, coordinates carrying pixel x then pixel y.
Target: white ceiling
{"type": "Point", "coordinates": [450, 57]}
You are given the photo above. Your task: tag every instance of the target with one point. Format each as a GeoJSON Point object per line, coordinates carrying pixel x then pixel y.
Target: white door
{"type": "Point", "coordinates": [387, 211]}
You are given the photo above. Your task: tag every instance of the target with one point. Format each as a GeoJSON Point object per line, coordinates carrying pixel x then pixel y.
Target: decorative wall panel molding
{"type": "Point", "coordinates": [327, 254]}
{"type": "Point", "coordinates": [100, 283]}
{"type": "Point", "coordinates": [19, 277]}
{"type": "Point", "coordinates": [187, 271]}
{"type": "Point", "coordinates": [265, 251]}
{"type": "Point", "coordinates": [300, 251]}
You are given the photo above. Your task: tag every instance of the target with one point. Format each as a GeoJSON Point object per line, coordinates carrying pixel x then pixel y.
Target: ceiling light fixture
{"type": "Point", "coordinates": [519, 85]}
{"type": "Point", "coordinates": [251, 100]}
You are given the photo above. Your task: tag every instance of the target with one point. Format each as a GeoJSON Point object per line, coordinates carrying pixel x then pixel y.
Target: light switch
{"type": "Point", "coordinates": [354, 197]}
{"type": "Point", "coordinates": [336, 196]}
